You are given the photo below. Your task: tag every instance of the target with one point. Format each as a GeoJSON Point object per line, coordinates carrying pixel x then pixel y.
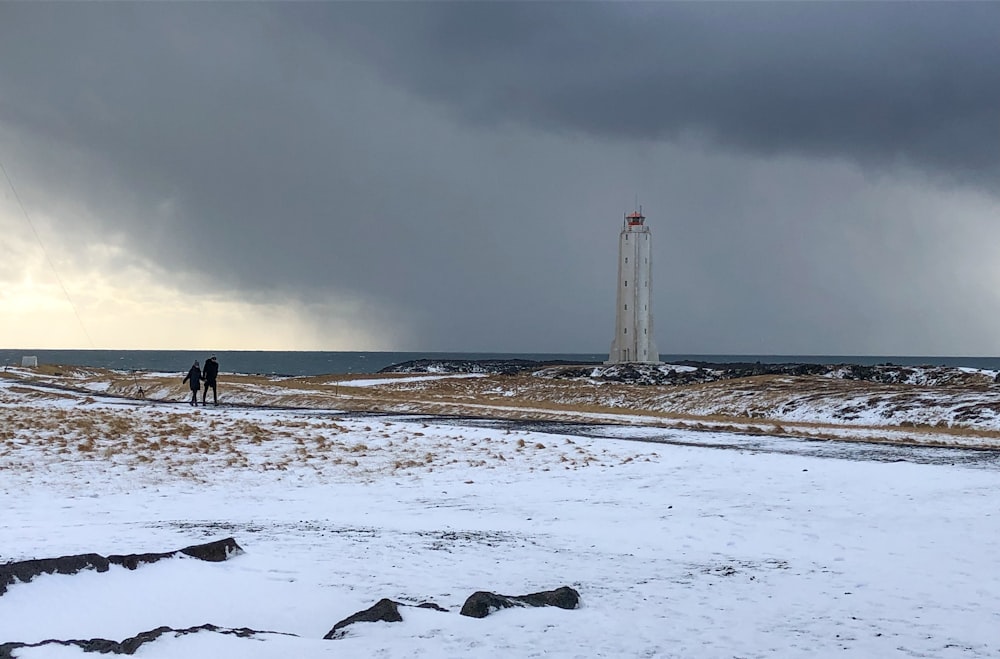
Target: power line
{"type": "Point", "coordinates": [31, 224]}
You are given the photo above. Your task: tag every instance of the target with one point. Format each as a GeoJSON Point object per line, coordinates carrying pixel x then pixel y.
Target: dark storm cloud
{"type": "Point", "coordinates": [231, 143]}
{"type": "Point", "coordinates": [462, 166]}
{"type": "Point", "coordinates": [879, 83]}
{"type": "Point", "coordinates": [232, 120]}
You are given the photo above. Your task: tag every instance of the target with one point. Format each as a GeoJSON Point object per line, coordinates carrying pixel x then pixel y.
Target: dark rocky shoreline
{"type": "Point", "coordinates": [691, 372]}
{"type": "Point", "coordinates": [487, 366]}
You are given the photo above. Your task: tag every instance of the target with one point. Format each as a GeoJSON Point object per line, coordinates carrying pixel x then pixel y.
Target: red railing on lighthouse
{"type": "Point", "coordinates": [635, 218]}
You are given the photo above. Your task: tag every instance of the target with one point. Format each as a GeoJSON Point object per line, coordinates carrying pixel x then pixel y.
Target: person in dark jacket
{"type": "Point", "coordinates": [194, 379]}
{"type": "Point", "coordinates": [211, 375]}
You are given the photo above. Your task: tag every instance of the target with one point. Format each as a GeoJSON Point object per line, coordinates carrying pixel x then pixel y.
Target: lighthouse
{"type": "Point", "coordinates": [634, 340]}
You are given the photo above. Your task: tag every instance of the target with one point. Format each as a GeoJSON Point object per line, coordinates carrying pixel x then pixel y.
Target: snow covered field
{"type": "Point", "coordinates": [729, 546]}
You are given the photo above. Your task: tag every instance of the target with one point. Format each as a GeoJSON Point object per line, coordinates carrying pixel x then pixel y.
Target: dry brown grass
{"type": "Point", "coordinates": [750, 405]}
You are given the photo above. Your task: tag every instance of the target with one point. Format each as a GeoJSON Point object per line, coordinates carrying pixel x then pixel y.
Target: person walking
{"type": "Point", "coordinates": [194, 381]}
{"type": "Point", "coordinates": [211, 377]}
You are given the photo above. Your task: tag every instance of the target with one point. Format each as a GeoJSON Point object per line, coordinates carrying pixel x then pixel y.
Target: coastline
{"type": "Point", "coordinates": [302, 363]}
{"type": "Point", "coordinates": [932, 406]}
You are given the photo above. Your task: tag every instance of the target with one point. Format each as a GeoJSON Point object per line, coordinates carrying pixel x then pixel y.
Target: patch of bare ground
{"type": "Point", "coordinates": [177, 443]}
{"type": "Point", "coordinates": [815, 407]}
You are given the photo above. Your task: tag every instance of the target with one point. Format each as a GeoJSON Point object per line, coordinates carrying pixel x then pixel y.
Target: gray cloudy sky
{"type": "Point", "coordinates": [819, 178]}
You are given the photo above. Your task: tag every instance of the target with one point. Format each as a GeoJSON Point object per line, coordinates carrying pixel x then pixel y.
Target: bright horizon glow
{"type": "Point", "coordinates": [159, 318]}
{"type": "Point", "coordinates": [121, 303]}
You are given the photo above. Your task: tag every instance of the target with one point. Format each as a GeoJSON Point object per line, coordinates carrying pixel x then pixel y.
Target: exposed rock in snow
{"type": "Point", "coordinates": [131, 644]}
{"type": "Point", "coordinates": [495, 366]}
{"type": "Point", "coordinates": [24, 571]}
{"type": "Point", "coordinates": [689, 372]}
{"type": "Point", "coordinates": [385, 610]}
{"type": "Point", "coordinates": [480, 604]}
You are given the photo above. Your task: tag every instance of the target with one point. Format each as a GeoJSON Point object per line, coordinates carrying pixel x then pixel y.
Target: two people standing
{"type": "Point", "coordinates": [210, 375]}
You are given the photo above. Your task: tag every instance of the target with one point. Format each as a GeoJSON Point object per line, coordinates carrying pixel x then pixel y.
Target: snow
{"type": "Point", "coordinates": [375, 382]}
{"type": "Point", "coordinates": [991, 373]}
{"type": "Point", "coordinates": [714, 545]}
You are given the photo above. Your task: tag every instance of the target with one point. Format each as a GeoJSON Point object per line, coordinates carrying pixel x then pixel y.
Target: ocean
{"type": "Point", "coordinates": [322, 363]}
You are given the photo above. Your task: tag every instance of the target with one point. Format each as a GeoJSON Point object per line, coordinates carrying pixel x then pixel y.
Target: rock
{"type": "Point", "coordinates": [25, 571]}
{"type": "Point", "coordinates": [666, 374]}
{"type": "Point", "coordinates": [564, 598]}
{"type": "Point", "coordinates": [385, 610]}
{"type": "Point", "coordinates": [492, 366]}
{"type": "Point", "coordinates": [214, 552]}
{"type": "Point", "coordinates": [480, 604]}
{"type": "Point", "coordinates": [129, 645]}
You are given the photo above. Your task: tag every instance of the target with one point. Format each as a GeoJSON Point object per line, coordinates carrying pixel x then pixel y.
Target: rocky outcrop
{"type": "Point", "coordinates": [24, 571]}
{"type": "Point", "coordinates": [480, 604]}
{"type": "Point", "coordinates": [130, 645]}
{"type": "Point", "coordinates": [490, 366]}
{"type": "Point", "coordinates": [693, 372]}
{"type": "Point", "coordinates": [385, 610]}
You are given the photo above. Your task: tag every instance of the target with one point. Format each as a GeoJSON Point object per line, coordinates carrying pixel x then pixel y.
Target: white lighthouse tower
{"type": "Point", "coordinates": [634, 340]}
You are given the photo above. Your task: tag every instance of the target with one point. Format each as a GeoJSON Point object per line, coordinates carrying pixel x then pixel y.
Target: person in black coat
{"type": "Point", "coordinates": [211, 375]}
{"type": "Point", "coordinates": [194, 379]}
